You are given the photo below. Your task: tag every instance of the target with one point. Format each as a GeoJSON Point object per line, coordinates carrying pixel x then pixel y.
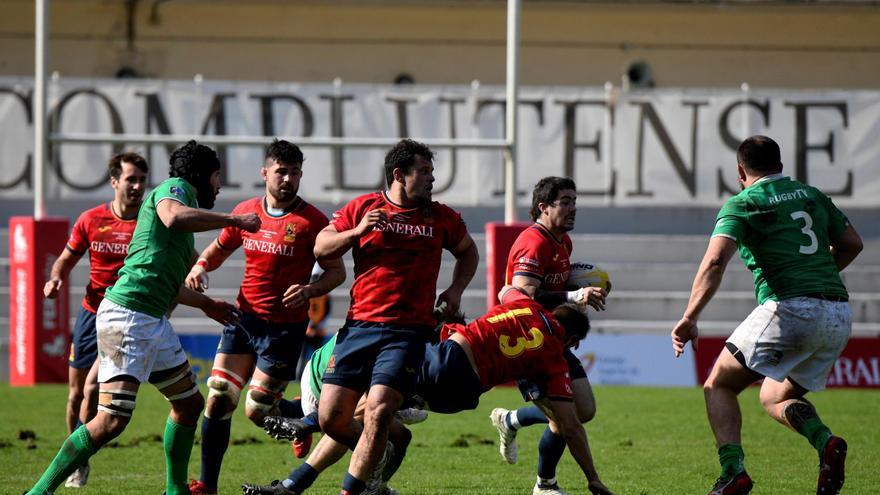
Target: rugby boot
{"type": "Point", "coordinates": [375, 485]}
{"type": "Point", "coordinates": [275, 488]}
{"type": "Point", "coordinates": [411, 416]}
{"type": "Point", "coordinates": [302, 446]}
{"type": "Point", "coordinates": [282, 428]}
{"type": "Point", "coordinates": [78, 478]}
{"type": "Point", "coordinates": [740, 484]}
{"type": "Point", "coordinates": [553, 489]}
{"type": "Point", "coordinates": [508, 447]}
{"type": "Point", "coordinates": [831, 467]}
{"type": "Point", "coordinates": [197, 487]}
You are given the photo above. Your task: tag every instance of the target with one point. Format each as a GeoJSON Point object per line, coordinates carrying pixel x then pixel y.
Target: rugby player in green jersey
{"type": "Point", "coordinates": [136, 343]}
{"type": "Point", "coordinates": [795, 242]}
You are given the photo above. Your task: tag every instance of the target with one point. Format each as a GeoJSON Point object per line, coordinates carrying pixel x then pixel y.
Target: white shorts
{"type": "Point", "coordinates": [135, 344]}
{"type": "Point", "coordinates": [307, 397]}
{"type": "Point", "coordinates": [798, 338]}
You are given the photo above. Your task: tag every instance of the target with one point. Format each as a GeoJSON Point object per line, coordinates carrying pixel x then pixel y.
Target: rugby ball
{"type": "Point", "coordinates": [588, 275]}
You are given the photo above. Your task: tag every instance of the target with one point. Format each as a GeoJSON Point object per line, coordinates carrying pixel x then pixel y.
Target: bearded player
{"type": "Point", "coordinates": [397, 237]}
{"type": "Point", "coordinates": [516, 340]}
{"type": "Point", "coordinates": [539, 264]}
{"type": "Point", "coordinates": [104, 232]}
{"type": "Point", "coordinates": [136, 343]}
{"type": "Point", "coordinates": [264, 346]}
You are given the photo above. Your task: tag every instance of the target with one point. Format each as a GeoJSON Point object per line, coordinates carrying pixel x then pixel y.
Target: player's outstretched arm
{"type": "Point", "coordinates": [706, 283]}
{"type": "Point", "coordinates": [466, 260]}
{"type": "Point", "coordinates": [331, 243]}
{"type": "Point", "coordinates": [182, 218]}
{"type": "Point", "coordinates": [218, 310]}
{"type": "Point", "coordinates": [60, 271]}
{"type": "Point", "coordinates": [565, 421]}
{"type": "Point", "coordinates": [846, 247]}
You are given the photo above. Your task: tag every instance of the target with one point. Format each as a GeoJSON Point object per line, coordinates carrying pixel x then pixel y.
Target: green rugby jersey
{"type": "Point", "coordinates": [783, 229]}
{"type": "Point", "coordinates": [318, 364]}
{"type": "Point", "coordinates": [158, 258]}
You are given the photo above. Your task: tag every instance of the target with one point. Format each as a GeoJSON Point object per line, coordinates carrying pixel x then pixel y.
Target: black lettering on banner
{"type": "Point", "coordinates": [217, 116]}
{"type": "Point", "coordinates": [571, 145]}
{"type": "Point", "coordinates": [55, 148]}
{"type": "Point", "coordinates": [267, 116]}
{"type": "Point", "coordinates": [649, 114]}
{"type": "Point", "coordinates": [802, 147]}
{"type": "Point", "coordinates": [26, 175]}
{"type": "Point", "coordinates": [453, 134]}
{"type": "Point", "coordinates": [154, 114]}
{"type": "Point", "coordinates": [337, 129]}
{"type": "Point", "coordinates": [482, 104]}
{"type": "Point", "coordinates": [731, 141]}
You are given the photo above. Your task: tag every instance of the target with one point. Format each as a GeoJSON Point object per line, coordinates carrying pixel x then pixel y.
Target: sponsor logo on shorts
{"type": "Point", "coordinates": [331, 364]}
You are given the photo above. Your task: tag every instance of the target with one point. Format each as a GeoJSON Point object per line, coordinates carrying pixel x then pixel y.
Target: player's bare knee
{"type": "Point", "coordinates": [586, 413]}
{"type": "Point", "coordinates": [90, 390]}
{"type": "Point", "coordinates": [380, 412]}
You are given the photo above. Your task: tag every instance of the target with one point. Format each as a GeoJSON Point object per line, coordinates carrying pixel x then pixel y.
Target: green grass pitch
{"type": "Point", "coordinates": [644, 440]}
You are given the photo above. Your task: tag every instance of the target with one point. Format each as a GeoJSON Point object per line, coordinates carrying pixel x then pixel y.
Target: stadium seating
{"type": "Point", "coordinates": [651, 277]}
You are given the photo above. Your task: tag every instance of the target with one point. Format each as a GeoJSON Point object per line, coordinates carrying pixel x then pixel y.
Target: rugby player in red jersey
{"type": "Point", "coordinates": [539, 263]}
{"type": "Point", "coordinates": [397, 237]}
{"type": "Point", "coordinates": [516, 340]}
{"type": "Point", "coordinates": [264, 346]}
{"type": "Point", "coordinates": [104, 232]}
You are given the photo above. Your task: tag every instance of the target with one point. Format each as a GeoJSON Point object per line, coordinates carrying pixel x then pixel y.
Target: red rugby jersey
{"type": "Point", "coordinates": [279, 255]}
{"type": "Point", "coordinates": [536, 253]}
{"type": "Point", "coordinates": [518, 339]}
{"type": "Point", "coordinates": [105, 236]}
{"type": "Point", "coordinates": [395, 270]}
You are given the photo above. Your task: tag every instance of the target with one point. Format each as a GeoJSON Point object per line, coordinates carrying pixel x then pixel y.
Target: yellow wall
{"type": "Point", "coordinates": [563, 43]}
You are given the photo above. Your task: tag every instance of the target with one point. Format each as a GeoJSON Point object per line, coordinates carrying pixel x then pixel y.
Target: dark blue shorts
{"type": "Point", "coordinates": [370, 353]}
{"type": "Point", "coordinates": [448, 382]}
{"type": "Point", "coordinates": [276, 345]}
{"type": "Point", "coordinates": [531, 391]}
{"type": "Point", "coordinates": [84, 344]}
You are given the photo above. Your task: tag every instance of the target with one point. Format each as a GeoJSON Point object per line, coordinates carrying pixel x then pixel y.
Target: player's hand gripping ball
{"type": "Point", "coordinates": [588, 275]}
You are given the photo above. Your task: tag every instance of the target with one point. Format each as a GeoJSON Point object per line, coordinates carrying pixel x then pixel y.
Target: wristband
{"type": "Point", "coordinates": [573, 296]}
{"type": "Point", "coordinates": [202, 262]}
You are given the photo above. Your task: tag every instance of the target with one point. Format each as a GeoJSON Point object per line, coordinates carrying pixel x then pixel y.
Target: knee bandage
{"type": "Point", "coordinates": [179, 386]}
{"type": "Point", "coordinates": [117, 402]}
{"type": "Point", "coordinates": [225, 385]}
{"type": "Point", "coordinates": [263, 397]}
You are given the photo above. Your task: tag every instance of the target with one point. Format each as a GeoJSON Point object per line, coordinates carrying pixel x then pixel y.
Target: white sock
{"type": "Point", "coordinates": [546, 482]}
{"type": "Point", "coordinates": [513, 420]}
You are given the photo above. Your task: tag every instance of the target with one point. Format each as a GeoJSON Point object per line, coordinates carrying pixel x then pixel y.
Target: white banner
{"type": "Point", "coordinates": [660, 147]}
{"type": "Point", "coordinates": [635, 360]}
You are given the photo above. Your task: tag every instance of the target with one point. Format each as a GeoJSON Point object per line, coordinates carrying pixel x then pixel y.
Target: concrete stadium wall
{"type": "Point", "coordinates": [768, 44]}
